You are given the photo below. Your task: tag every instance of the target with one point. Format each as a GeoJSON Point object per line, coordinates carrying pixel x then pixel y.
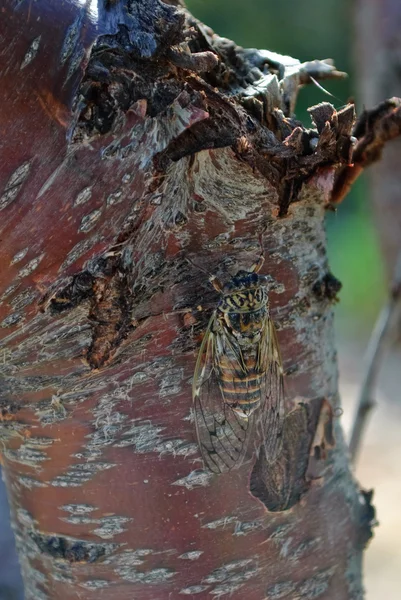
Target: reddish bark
{"type": "Point", "coordinates": [122, 161]}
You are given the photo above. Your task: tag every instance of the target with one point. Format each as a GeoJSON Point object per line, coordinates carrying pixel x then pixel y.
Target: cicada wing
{"type": "Point", "coordinates": [271, 415]}
{"type": "Point", "coordinates": [222, 433]}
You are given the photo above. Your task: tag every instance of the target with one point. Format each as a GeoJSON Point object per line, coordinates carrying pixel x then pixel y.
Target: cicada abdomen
{"type": "Point", "coordinates": [238, 383]}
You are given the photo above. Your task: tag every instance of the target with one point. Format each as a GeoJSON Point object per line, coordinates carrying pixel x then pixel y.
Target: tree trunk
{"type": "Point", "coordinates": [140, 150]}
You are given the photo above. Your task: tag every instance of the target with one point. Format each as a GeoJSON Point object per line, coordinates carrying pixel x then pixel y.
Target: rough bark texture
{"type": "Point", "coordinates": [377, 58]}
{"type": "Point", "coordinates": [132, 141]}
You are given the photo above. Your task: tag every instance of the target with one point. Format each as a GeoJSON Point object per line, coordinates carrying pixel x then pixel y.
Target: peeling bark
{"type": "Point", "coordinates": [140, 149]}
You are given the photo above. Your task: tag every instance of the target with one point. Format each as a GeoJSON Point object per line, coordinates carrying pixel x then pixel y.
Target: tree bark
{"type": "Point", "coordinates": [140, 150]}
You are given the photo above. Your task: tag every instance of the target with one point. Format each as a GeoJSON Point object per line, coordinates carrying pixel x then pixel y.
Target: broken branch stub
{"type": "Point", "coordinates": [159, 147]}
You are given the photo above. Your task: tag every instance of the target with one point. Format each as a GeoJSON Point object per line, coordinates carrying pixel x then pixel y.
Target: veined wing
{"type": "Point", "coordinates": [222, 433]}
{"type": "Point", "coordinates": [271, 414]}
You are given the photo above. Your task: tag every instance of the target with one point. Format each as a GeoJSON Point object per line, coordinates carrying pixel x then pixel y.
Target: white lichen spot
{"type": "Point", "coordinates": [142, 435]}
{"type": "Point", "coordinates": [170, 385]}
{"type": "Point", "coordinates": [27, 456]}
{"type": "Point", "coordinates": [281, 590]}
{"type": "Point", "coordinates": [225, 589]}
{"type": "Point", "coordinates": [78, 250]}
{"type": "Point", "coordinates": [126, 178]}
{"type": "Point", "coordinates": [280, 532]}
{"type": "Point", "coordinates": [114, 198]}
{"type": "Point", "coordinates": [192, 555]}
{"type": "Point", "coordinates": [11, 320]}
{"type": "Point", "coordinates": [130, 558]}
{"type": "Point", "coordinates": [25, 518]}
{"type": "Point", "coordinates": [152, 577]}
{"type": "Point", "coordinates": [225, 571]}
{"type": "Point", "coordinates": [70, 40]}
{"type": "Point", "coordinates": [137, 378]}
{"type": "Point", "coordinates": [31, 52]}
{"type": "Point", "coordinates": [193, 589]}
{"type": "Point", "coordinates": [14, 184]}
{"type": "Point", "coordinates": [10, 290]}
{"type": "Point", "coordinates": [30, 482]}
{"type": "Point", "coordinates": [89, 221]}
{"type": "Point", "coordinates": [80, 473]}
{"type": "Point", "coordinates": [83, 196]}
{"type": "Point", "coordinates": [197, 478]}
{"type": "Point", "coordinates": [177, 448]}
{"type": "Point", "coordinates": [95, 584]}
{"type": "Point", "coordinates": [28, 296]}
{"type": "Point", "coordinates": [78, 509]}
{"type": "Point", "coordinates": [19, 256]}
{"type": "Point", "coordinates": [223, 522]}
{"type": "Point", "coordinates": [30, 267]}
{"type": "Point", "coordinates": [285, 547]}
{"type": "Point", "coordinates": [111, 526]}
{"type": "Point", "coordinates": [243, 528]}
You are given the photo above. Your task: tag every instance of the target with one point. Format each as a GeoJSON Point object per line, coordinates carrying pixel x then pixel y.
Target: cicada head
{"type": "Point", "coordinates": [245, 280]}
{"type": "Point", "coordinates": [245, 291]}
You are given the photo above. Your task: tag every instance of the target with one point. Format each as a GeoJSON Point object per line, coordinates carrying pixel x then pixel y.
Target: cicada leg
{"type": "Point", "coordinates": [216, 283]}
{"type": "Point", "coordinates": [258, 264]}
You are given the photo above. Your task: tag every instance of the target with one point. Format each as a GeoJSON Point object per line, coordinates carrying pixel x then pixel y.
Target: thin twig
{"type": "Point", "coordinates": [378, 343]}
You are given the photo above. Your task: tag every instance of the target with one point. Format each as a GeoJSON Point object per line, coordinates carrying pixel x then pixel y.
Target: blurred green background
{"type": "Point", "coordinates": [307, 30]}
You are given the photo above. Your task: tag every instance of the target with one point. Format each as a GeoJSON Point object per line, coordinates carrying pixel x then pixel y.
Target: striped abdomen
{"type": "Point", "coordinates": [241, 389]}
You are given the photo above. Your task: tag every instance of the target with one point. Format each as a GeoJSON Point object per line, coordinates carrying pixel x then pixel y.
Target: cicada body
{"type": "Point", "coordinates": [238, 387]}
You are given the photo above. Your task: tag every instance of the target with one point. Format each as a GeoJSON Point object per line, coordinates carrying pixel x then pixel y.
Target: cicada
{"type": "Point", "coordinates": [238, 389]}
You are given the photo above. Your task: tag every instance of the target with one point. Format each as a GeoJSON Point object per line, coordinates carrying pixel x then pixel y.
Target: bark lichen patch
{"type": "Point", "coordinates": [11, 320]}
{"type": "Point", "coordinates": [83, 196]}
{"type": "Point", "coordinates": [192, 555]}
{"type": "Point", "coordinates": [79, 250]}
{"type": "Point", "coordinates": [25, 455]}
{"type": "Point", "coordinates": [19, 255]}
{"type": "Point", "coordinates": [79, 474]}
{"type": "Point", "coordinates": [227, 578]}
{"type": "Point", "coordinates": [233, 571]}
{"type": "Point", "coordinates": [14, 184]}
{"type": "Point", "coordinates": [111, 527]}
{"type": "Point", "coordinates": [31, 52]}
{"type": "Point", "coordinates": [144, 437]}
{"type": "Point", "coordinates": [30, 482]}
{"type": "Point", "coordinates": [191, 590]}
{"type": "Point", "coordinates": [246, 527]}
{"type": "Point", "coordinates": [30, 267]}
{"type": "Point", "coordinates": [88, 222]}
{"type": "Point", "coordinates": [95, 584]}
{"type": "Point", "coordinates": [151, 577]}
{"type": "Point", "coordinates": [309, 588]}
{"type": "Point", "coordinates": [25, 298]}
{"type": "Point", "coordinates": [125, 565]}
{"type": "Point", "coordinates": [220, 523]}
{"type": "Point", "coordinates": [197, 478]}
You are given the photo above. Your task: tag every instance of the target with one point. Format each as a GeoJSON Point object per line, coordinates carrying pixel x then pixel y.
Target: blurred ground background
{"type": "Point", "coordinates": [307, 30]}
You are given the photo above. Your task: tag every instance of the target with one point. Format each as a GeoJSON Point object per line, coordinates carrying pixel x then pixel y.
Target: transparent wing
{"type": "Point", "coordinates": [222, 433]}
{"type": "Point", "coordinates": [271, 414]}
